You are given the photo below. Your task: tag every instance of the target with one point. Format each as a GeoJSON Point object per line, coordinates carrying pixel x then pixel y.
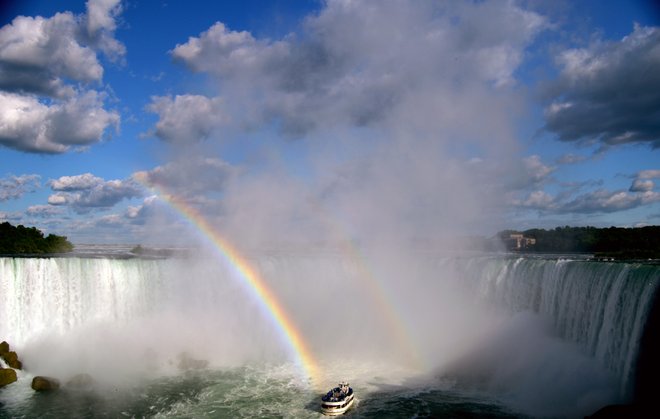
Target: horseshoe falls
{"type": "Point", "coordinates": [491, 335]}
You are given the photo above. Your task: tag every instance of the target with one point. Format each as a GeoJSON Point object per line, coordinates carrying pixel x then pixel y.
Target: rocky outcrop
{"type": "Point", "coordinates": [10, 357]}
{"type": "Point", "coordinates": [45, 383]}
{"type": "Point", "coordinates": [7, 376]}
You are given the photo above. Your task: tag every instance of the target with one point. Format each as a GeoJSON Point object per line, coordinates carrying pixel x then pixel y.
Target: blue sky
{"type": "Point", "coordinates": [282, 120]}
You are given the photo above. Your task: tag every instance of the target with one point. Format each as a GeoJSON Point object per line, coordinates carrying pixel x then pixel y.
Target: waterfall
{"type": "Point", "coordinates": [602, 306]}
{"type": "Point", "coordinates": [56, 295]}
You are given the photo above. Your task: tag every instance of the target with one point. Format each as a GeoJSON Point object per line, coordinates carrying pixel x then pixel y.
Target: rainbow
{"type": "Point", "coordinates": [250, 276]}
{"type": "Point", "coordinates": [384, 303]}
{"type": "Point", "coordinates": [377, 291]}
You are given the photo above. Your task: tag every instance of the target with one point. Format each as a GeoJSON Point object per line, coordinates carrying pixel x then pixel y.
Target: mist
{"type": "Point", "coordinates": [365, 158]}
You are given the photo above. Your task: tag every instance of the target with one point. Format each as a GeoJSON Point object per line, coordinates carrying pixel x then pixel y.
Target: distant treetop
{"type": "Point", "coordinates": [29, 240]}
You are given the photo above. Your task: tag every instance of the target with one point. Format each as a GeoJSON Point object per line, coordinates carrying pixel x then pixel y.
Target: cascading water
{"type": "Point", "coordinates": [116, 318]}
{"type": "Point", "coordinates": [602, 306]}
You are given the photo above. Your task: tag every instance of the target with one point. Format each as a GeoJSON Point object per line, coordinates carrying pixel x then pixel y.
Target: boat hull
{"type": "Point", "coordinates": [337, 408]}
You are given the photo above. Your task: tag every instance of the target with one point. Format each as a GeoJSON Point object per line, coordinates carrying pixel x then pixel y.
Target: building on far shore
{"type": "Point", "coordinates": [517, 241]}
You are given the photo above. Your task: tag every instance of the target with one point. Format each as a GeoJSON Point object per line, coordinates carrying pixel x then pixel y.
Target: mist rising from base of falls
{"type": "Point", "coordinates": [408, 317]}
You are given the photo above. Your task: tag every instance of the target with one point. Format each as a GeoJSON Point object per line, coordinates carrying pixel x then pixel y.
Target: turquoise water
{"type": "Point", "coordinates": [245, 393]}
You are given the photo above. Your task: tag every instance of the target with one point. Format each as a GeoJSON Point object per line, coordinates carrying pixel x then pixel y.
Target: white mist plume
{"type": "Point", "coordinates": [398, 136]}
{"type": "Point", "coordinates": [404, 132]}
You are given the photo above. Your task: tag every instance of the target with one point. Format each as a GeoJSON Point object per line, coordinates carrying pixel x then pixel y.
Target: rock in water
{"type": "Point", "coordinates": [7, 376]}
{"type": "Point", "coordinates": [4, 348]}
{"type": "Point", "coordinates": [45, 383]}
{"type": "Point", "coordinates": [12, 360]}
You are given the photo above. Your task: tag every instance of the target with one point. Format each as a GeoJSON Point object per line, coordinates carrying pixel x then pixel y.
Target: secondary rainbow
{"type": "Point", "coordinates": [251, 277]}
{"type": "Point", "coordinates": [377, 290]}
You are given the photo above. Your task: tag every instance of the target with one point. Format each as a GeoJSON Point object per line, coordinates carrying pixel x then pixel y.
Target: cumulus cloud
{"type": "Point", "coordinates": [47, 68]}
{"type": "Point", "coordinates": [12, 217]}
{"type": "Point", "coordinates": [535, 168]}
{"type": "Point", "coordinates": [150, 208]}
{"type": "Point", "coordinates": [101, 24]}
{"type": "Point", "coordinates": [36, 53]}
{"type": "Point", "coordinates": [86, 192]}
{"type": "Point", "coordinates": [186, 118]}
{"type": "Point", "coordinates": [14, 187]}
{"type": "Point", "coordinates": [29, 125]}
{"type": "Point", "coordinates": [539, 200]}
{"type": "Point", "coordinates": [43, 210]}
{"type": "Point", "coordinates": [531, 174]}
{"type": "Point", "coordinates": [643, 181]}
{"type": "Point", "coordinates": [609, 91]}
{"type": "Point", "coordinates": [188, 176]}
{"type": "Point", "coordinates": [75, 183]}
{"type": "Point", "coordinates": [649, 174]}
{"type": "Point", "coordinates": [57, 199]}
{"type": "Point", "coordinates": [595, 202]}
{"type": "Point", "coordinates": [339, 72]}
{"type": "Point", "coordinates": [603, 201]}
{"type": "Point", "coordinates": [380, 116]}
{"type": "Point", "coordinates": [640, 185]}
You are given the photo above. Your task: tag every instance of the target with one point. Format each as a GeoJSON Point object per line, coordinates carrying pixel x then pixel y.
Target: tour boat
{"type": "Point", "coordinates": [338, 400]}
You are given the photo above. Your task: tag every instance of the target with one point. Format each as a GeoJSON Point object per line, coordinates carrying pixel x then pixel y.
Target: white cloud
{"type": "Point", "coordinates": [36, 53]}
{"type": "Point", "coordinates": [43, 210]}
{"type": "Point", "coordinates": [609, 91]}
{"type": "Point", "coordinates": [13, 217]}
{"type": "Point", "coordinates": [74, 183]}
{"type": "Point", "coordinates": [535, 168]}
{"type": "Point", "coordinates": [101, 15]}
{"type": "Point", "coordinates": [643, 181]}
{"type": "Point", "coordinates": [188, 176]}
{"type": "Point", "coordinates": [14, 187]}
{"type": "Point", "coordinates": [538, 200]}
{"type": "Point", "coordinates": [649, 174]}
{"type": "Point", "coordinates": [86, 192]}
{"type": "Point", "coordinates": [594, 202]}
{"type": "Point", "coordinates": [101, 24]}
{"type": "Point", "coordinates": [609, 201]}
{"type": "Point", "coordinates": [29, 125]}
{"type": "Point", "coordinates": [341, 71]}
{"type": "Point", "coordinates": [48, 67]}
{"type": "Point", "coordinates": [58, 199]}
{"type": "Point", "coordinates": [640, 185]}
{"type": "Point", "coordinates": [382, 94]}
{"type": "Point", "coordinates": [186, 118]}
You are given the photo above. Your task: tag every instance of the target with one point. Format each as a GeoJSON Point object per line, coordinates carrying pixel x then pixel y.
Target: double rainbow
{"type": "Point", "coordinates": [251, 278]}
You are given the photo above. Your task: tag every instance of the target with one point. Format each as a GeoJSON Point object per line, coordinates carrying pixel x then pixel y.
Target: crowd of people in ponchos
{"type": "Point", "coordinates": [337, 394]}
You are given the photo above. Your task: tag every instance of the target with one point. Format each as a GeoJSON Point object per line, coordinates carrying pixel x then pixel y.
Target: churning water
{"type": "Point", "coordinates": [420, 335]}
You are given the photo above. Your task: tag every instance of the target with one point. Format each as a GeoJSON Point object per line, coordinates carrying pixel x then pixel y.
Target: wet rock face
{"type": "Point", "coordinates": [7, 376]}
{"type": "Point", "coordinates": [45, 384]}
{"type": "Point", "coordinates": [10, 357]}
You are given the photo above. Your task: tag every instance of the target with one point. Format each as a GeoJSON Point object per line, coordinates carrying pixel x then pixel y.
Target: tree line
{"type": "Point", "coordinates": [640, 242]}
{"type": "Point", "coordinates": [30, 240]}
